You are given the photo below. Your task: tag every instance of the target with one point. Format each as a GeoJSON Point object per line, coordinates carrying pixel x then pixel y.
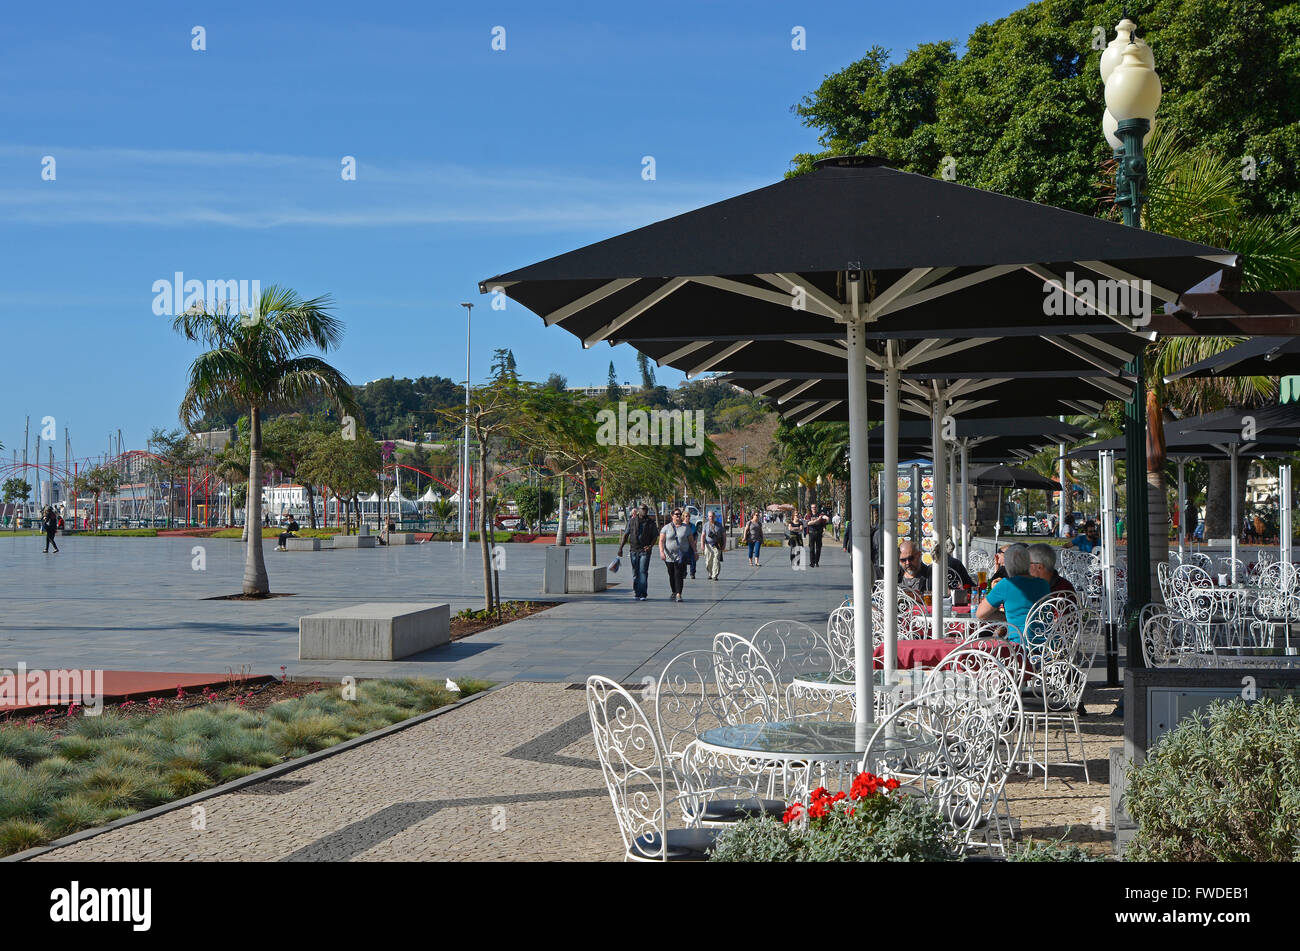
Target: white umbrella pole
{"type": "Point", "coordinates": [965, 499]}
{"type": "Point", "coordinates": [889, 519]}
{"type": "Point", "coordinates": [1182, 505]}
{"type": "Point", "coordinates": [860, 511]}
{"type": "Point", "coordinates": [939, 555]}
{"type": "Point", "coordinates": [1284, 513]}
{"type": "Point", "coordinates": [1064, 496]}
{"type": "Point", "coordinates": [1236, 524]}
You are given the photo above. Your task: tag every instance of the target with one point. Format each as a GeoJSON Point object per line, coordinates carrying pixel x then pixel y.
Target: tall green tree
{"type": "Point", "coordinates": [97, 482]}
{"type": "Point", "coordinates": [174, 452]}
{"type": "Point", "coordinates": [345, 467]}
{"type": "Point", "coordinates": [613, 392]}
{"type": "Point", "coordinates": [15, 489]}
{"type": "Point", "coordinates": [1018, 111]}
{"type": "Point", "coordinates": [256, 362]}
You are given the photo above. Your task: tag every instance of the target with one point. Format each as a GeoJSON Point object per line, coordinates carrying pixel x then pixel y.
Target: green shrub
{"type": "Point", "coordinates": [19, 834]}
{"type": "Point", "coordinates": [874, 828]}
{"type": "Point", "coordinates": [311, 732]}
{"type": "Point", "coordinates": [75, 812]}
{"type": "Point", "coordinates": [97, 727]}
{"type": "Point", "coordinates": [24, 744]}
{"type": "Point", "coordinates": [1035, 851]}
{"type": "Point", "coordinates": [1222, 788]}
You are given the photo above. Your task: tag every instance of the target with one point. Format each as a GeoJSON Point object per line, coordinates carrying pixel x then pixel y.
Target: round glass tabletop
{"type": "Point", "coordinates": [813, 738]}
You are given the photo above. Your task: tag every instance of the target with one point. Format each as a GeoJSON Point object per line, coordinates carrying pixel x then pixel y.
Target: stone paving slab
{"type": "Point", "coordinates": [512, 776]}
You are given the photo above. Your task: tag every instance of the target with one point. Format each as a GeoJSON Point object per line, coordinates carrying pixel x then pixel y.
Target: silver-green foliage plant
{"type": "Point", "coordinates": [909, 831]}
{"type": "Point", "coordinates": [1222, 788]}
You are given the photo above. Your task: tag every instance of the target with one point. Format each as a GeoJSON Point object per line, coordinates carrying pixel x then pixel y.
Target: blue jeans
{"type": "Point", "coordinates": [640, 572]}
{"type": "Point", "coordinates": [688, 563]}
{"type": "Point", "coordinates": [754, 548]}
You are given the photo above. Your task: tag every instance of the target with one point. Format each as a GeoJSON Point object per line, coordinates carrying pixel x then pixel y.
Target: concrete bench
{"type": "Point", "coordinates": [401, 538]}
{"type": "Point", "coordinates": [356, 541]}
{"type": "Point", "coordinates": [374, 631]}
{"type": "Point", "coordinates": [302, 544]}
{"type": "Point", "coordinates": [586, 579]}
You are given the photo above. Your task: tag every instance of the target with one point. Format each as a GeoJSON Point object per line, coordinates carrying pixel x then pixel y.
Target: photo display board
{"type": "Point", "coordinates": [916, 507]}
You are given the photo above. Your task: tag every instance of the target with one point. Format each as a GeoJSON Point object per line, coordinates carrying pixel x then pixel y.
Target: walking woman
{"type": "Point", "coordinates": [50, 522]}
{"type": "Point", "coordinates": [676, 544]}
{"type": "Point", "coordinates": [794, 535]}
{"type": "Point", "coordinates": [754, 538]}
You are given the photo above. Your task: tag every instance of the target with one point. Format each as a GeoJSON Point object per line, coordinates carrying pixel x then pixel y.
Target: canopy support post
{"type": "Point", "coordinates": [1284, 516]}
{"type": "Point", "coordinates": [1182, 506]}
{"type": "Point", "coordinates": [1106, 463]}
{"type": "Point", "coordinates": [889, 517]}
{"type": "Point", "coordinates": [939, 554]}
{"type": "Point", "coordinates": [860, 503]}
{"type": "Point", "coordinates": [1236, 522]}
{"type": "Point", "coordinates": [965, 503]}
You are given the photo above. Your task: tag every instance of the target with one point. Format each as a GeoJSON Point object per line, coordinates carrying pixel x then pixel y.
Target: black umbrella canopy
{"type": "Point", "coordinates": [1280, 422]}
{"type": "Point", "coordinates": [1260, 356]}
{"type": "Point", "coordinates": [803, 398]}
{"type": "Point", "coordinates": [1012, 478]}
{"type": "Point", "coordinates": [740, 269]}
{"type": "Point", "coordinates": [1197, 443]}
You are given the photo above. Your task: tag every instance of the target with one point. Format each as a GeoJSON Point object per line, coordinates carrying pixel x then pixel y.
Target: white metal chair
{"type": "Point", "coordinates": [686, 704]}
{"type": "Point", "coordinates": [633, 767]}
{"type": "Point", "coordinates": [747, 686]}
{"type": "Point", "coordinates": [1158, 648]}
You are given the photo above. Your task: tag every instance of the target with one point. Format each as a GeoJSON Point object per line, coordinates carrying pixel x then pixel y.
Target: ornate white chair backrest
{"type": "Point", "coordinates": [1184, 578]}
{"type": "Point", "coordinates": [1157, 638]}
{"type": "Point", "coordinates": [748, 690]}
{"type": "Point", "coordinates": [839, 639]}
{"type": "Point", "coordinates": [792, 647]}
{"type": "Point", "coordinates": [1053, 627]}
{"type": "Point", "coordinates": [631, 763]}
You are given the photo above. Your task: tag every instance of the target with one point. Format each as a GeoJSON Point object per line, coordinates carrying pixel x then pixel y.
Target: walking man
{"type": "Point", "coordinates": [836, 523]}
{"type": "Point", "coordinates": [676, 545]}
{"type": "Point", "coordinates": [815, 526]}
{"type": "Point", "coordinates": [754, 538]}
{"type": "Point", "coordinates": [50, 522]}
{"type": "Point", "coordinates": [640, 535]}
{"type": "Point", "coordinates": [715, 542]}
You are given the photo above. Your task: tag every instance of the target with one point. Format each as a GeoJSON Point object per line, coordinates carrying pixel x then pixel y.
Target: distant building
{"type": "Point", "coordinates": [627, 389]}
{"type": "Point", "coordinates": [213, 439]}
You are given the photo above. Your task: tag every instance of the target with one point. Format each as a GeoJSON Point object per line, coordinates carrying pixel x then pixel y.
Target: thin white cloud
{"type": "Point", "coordinates": [259, 190]}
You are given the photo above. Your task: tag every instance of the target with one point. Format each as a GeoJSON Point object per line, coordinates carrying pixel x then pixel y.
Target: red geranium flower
{"type": "Point", "coordinates": [792, 813]}
{"type": "Point", "coordinates": [891, 784]}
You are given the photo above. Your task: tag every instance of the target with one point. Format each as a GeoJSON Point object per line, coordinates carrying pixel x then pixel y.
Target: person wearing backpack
{"type": "Point", "coordinates": [715, 543]}
{"type": "Point", "coordinates": [641, 534]}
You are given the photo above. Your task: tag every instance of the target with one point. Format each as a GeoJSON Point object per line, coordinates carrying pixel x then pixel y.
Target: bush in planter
{"type": "Point", "coordinates": [866, 825]}
{"type": "Point", "coordinates": [1223, 788]}
{"type": "Point", "coordinates": [1035, 851]}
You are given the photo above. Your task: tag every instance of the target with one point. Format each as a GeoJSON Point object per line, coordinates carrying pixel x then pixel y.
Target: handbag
{"type": "Point", "coordinates": [613, 566]}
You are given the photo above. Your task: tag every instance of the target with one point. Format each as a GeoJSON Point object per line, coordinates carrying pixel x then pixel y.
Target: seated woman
{"type": "Point", "coordinates": [1013, 596]}
{"type": "Point", "coordinates": [290, 531]}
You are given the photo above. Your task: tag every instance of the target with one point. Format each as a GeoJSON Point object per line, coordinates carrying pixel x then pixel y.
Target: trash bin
{"type": "Point", "coordinates": [555, 574]}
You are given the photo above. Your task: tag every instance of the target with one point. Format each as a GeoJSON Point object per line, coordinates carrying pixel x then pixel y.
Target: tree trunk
{"type": "Point", "coordinates": [1157, 527]}
{"type": "Point", "coordinates": [255, 580]}
{"type": "Point", "coordinates": [311, 505]}
{"type": "Point", "coordinates": [1218, 498]}
{"type": "Point", "coordinates": [483, 544]}
{"type": "Point", "coordinates": [591, 515]}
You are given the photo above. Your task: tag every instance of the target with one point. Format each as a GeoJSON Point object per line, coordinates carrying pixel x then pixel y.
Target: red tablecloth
{"type": "Point", "coordinates": [932, 651]}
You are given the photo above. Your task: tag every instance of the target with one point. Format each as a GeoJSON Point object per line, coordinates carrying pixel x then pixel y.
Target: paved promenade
{"type": "Point", "coordinates": [512, 776]}
{"type": "Point", "coordinates": [137, 604]}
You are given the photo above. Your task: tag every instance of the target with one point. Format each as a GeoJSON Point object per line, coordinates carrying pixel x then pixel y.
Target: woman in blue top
{"type": "Point", "coordinates": [1013, 595]}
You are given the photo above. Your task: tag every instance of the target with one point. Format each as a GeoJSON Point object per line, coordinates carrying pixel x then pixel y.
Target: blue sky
{"type": "Point", "coordinates": [225, 164]}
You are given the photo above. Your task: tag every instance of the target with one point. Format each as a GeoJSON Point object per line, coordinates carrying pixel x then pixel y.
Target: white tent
{"type": "Point", "coordinates": [429, 496]}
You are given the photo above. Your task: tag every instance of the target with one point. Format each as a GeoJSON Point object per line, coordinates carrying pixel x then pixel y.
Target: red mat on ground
{"type": "Point", "coordinates": [42, 689]}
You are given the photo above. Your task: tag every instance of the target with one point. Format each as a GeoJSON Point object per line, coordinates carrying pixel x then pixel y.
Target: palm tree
{"type": "Point", "coordinates": [256, 363]}
{"type": "Point", "coordinates": [1194, 195]}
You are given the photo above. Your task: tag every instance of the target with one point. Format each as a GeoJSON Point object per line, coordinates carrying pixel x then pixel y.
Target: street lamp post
{"type": "Point", "coordinates": [1132, 97]}
{"type": "Point", "coordinates": [464, 467]}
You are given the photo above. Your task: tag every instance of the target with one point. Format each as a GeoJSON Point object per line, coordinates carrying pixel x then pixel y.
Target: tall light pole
{"type": "Point", "coordinates": [464, 467]}
{"type": "Point", "coordinates": [1128, 68]}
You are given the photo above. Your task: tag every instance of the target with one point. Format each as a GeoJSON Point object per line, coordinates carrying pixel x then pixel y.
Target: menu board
{"type": "Point", "coordinates": [916, 507]}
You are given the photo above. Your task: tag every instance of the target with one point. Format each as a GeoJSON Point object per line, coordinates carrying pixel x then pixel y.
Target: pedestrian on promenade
{"type": "Point", "coordinates": [50, 522]}
{"type": "Point", "coordinates": [836, 524]}
{"type": "Point", "coordinates": [695, 544]}
{"type": "Point", "coordinates": [676, 544]}
{"type": "Point", "coordinates": [794, 535]}
{"type": "Point", "coordinates": [640, 534]}
{"type": "Point", "coordinates": [815, 526]}
{"type": "Point", "coordinates": [715, 543]}
{"type": "Point", "coordinates": [754, 538]}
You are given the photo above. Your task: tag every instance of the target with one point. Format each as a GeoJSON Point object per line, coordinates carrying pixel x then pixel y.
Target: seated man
{"type": "Point", "coordinates": [1042, 564]}
{"type": "Point", "coordinates": [912, 573]}
{"type": "Point", "coordinates": [288, 532]}
{"type": "Point", "coordinates": [1090, 540]}
{"type": "Point", "coordinates": [1013, 596]}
